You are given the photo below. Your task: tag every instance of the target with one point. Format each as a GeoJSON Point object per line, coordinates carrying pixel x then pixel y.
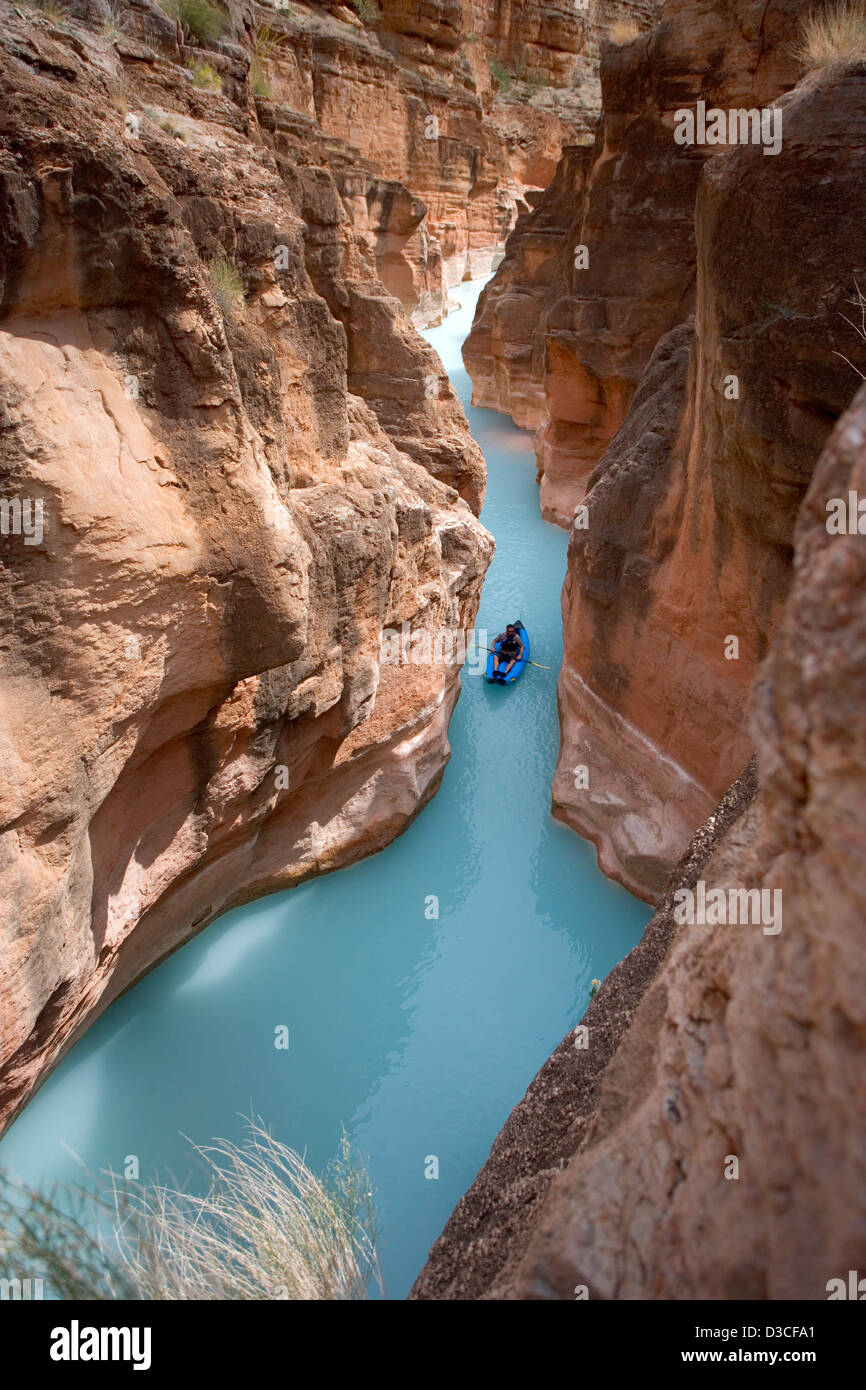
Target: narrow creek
{"type": "Point", "coordinates": [416, 1034]}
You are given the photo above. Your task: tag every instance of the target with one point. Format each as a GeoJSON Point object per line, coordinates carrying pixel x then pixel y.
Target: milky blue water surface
{"type": "Point", "coordinates": [416, 1034]}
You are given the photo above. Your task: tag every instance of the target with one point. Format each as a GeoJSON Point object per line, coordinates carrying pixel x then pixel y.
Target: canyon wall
{"type": "Point", "coordinates": [703, 1138]}
{"type": "Point", "coordinates": [679, 565]}
{"type": "Point", "coordinates": [673, 319]}
{"type": "Point", "coordinates": [455, 109]}
{"type": "Point", "coordinates": [561, 342]}
{"type": "Point", "coordinates": [228, 464]}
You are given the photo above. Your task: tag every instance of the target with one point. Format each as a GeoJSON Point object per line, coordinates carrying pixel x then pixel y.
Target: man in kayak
{"type": "Point", "coordinates": [511, 649]}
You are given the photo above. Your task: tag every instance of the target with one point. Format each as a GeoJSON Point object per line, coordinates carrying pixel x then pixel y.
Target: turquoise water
{"type": "Point", "coordinates": [416, 1034]}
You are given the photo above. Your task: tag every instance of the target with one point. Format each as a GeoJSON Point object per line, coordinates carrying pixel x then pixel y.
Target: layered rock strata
{"type": "Point", "coordinates": [561, 340]}
{"type": "Point", "coordinates": [680, 560]}
{"type": "Point", "coordinates": [228, 465]}
{"type": "Point", "coordinates": [456, 109]}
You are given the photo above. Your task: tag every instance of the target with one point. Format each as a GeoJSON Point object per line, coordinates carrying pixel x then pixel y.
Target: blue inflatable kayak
{"type": "Point", "coordinates": [519, 666]}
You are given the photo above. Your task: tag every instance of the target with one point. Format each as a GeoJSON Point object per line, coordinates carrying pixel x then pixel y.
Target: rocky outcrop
{"type": "Point", "coordinates": [505, 351]}
{"type": "Point", "coordinates": [705, 1142]}
{"type": "Point", "coordinates": [561, 342]}
{"type": "Point", "coordinates": [456, 109]}
{"type": "Point", "coordinates": [228, 464]}
{"type": "Point", "coordinates": [680, 563]}
{"type": "Point", "coordinates": [550, 53]}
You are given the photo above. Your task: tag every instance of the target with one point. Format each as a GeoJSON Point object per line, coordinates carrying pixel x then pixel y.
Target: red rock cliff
{"type": "Point", "coordinates": [676, 582]}
{"type": "Point", "coordinates": [562, 348]}
{"type": "Point", "coordinates": [696, 441]}
{"type": "Point", "coordinates": [245, 466]}
{"type": "Point", "coordinates": [456, 110]}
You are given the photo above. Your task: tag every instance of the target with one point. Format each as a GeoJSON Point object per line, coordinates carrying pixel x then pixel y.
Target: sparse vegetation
{"type": "Point", "coordinates": [520, 73]}
{"type": "Point", "coordinates": [259, 84]}
{"type": "Point", "coordinates": [268, 1228]}
{"type": "Point", "coordinates": [227, 285]}
{"type": "Point", "coordinates": [171, 128]}
{"type": "Point", "coordinates": [859, 304]}
{"type": "Point", "coordinates": [623, 31]}
{"type": "Point", "coordinates": [833, 37]}
{"type": "Point", "coordinates": [160, 45]}
{"type": "Point", "coordinates": [55, 11]}
{"type": "Point", "coordinates": [366, 10]}
{"type": "Point", "coordinates": [504, 78]}
{"type": "Point", "coordinates": [118, 97]}
{"type": "Point", "coordinates": [204, 21]}
{"type": "Point", "coordinates": [205, 77]}
{"type": "Point", "coordinates": [114, 23]}
{"type": "Point", "coordinates": [269, 40]}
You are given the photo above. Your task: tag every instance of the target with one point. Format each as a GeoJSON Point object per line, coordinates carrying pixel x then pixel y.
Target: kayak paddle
{"type": "Point", "coordinates": [523, 659]}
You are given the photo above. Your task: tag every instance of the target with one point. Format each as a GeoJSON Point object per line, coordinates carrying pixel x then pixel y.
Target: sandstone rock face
{"type": "Point", "coordinates": [447, 150]}
{"type": "Point", "coordinates": [228, 464]}
{"type": "Point", "coordinates": [561, 343]}
{"type": "Point", "coordinates": [553, 51]}
{"type": "Point", "coordinates": [505, 352]}
{"type": "Point", "coordinates": [719, 1043]}
{"type": "Point", "coordinates": [680, 563]}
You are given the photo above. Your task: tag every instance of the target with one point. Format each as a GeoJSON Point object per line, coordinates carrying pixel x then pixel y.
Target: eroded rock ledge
{"type": "Point", "coordinates": [237, 501]}
{"type": "Point", "coordinates": [680, 565]}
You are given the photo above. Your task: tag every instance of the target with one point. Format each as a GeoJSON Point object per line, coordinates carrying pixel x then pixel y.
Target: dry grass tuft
{"type": "Point", "coordinates": [204, 21]}
{"type": "Point", "coordinates": [268, 1228]}
{"type": "Point", "coordinates": [227, 285]}
{"type": "Point", "coordinates": [55, 11]}
{"type": "Point", "coordinates": [259, 84]}
{"type": "Point", "coordinates": [834, 37]}
{"type": "Point", "coordinates": [115, 22]}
